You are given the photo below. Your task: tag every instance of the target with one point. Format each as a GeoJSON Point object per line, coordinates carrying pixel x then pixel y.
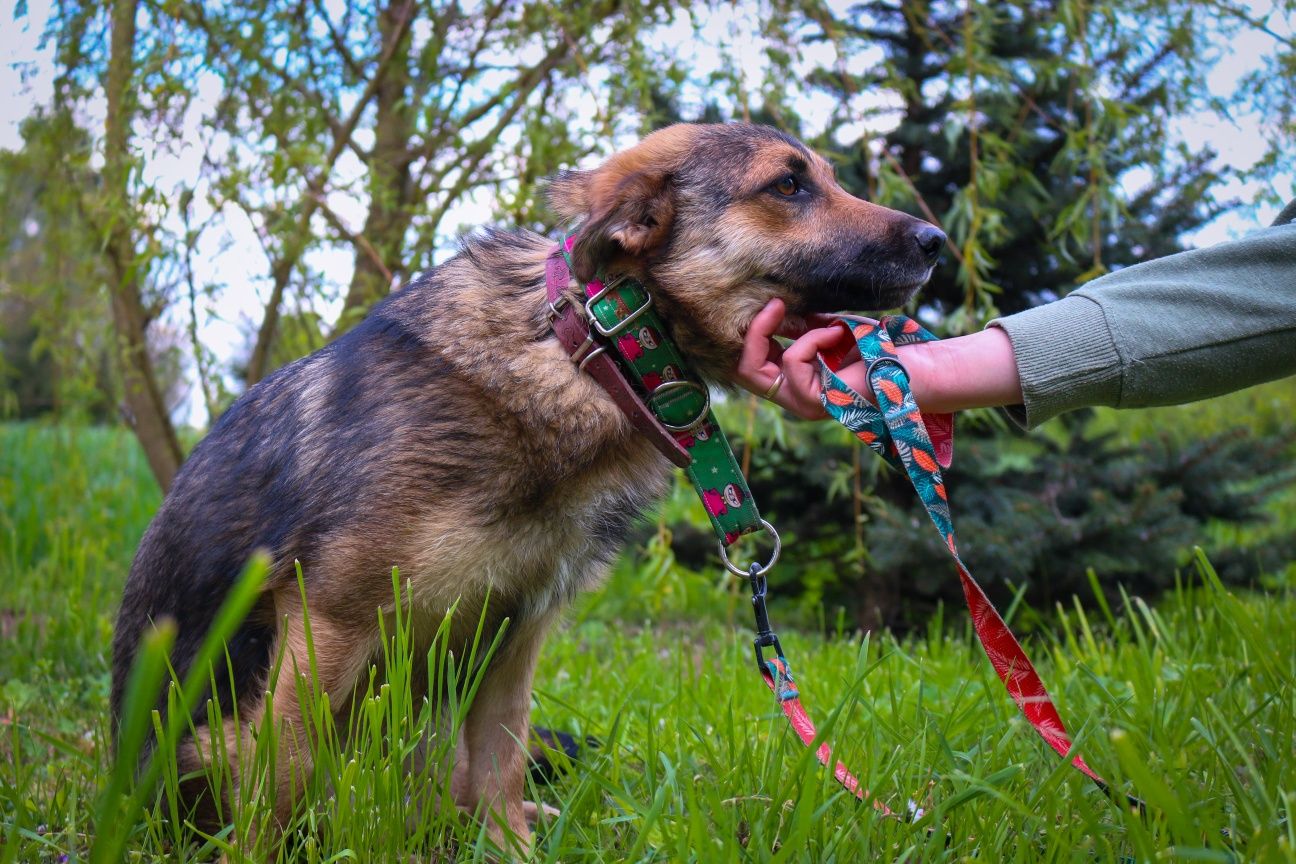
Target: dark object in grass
{"type": "Point", "coordinates": [552, 753]}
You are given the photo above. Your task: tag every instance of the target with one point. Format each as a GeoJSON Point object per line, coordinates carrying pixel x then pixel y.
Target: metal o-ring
{"type": "Point", "coordinates": [667, 386]}
{"type": "Point", "coordinates": [764, 568]}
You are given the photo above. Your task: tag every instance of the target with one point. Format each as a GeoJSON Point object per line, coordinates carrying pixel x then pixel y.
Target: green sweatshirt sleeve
{"type": "Point", "coordinates": [1167, 331]}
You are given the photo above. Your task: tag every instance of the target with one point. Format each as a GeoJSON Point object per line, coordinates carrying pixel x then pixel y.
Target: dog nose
{"type": "Point", "coordinates": [930, 240]}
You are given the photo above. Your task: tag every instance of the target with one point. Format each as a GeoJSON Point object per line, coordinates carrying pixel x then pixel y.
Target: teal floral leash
{"type": "Point", "coordinates": [920, 445]}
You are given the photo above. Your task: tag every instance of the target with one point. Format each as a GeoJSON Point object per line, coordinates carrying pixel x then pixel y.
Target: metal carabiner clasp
{"type": "Point", "coordinates": [765, 637]}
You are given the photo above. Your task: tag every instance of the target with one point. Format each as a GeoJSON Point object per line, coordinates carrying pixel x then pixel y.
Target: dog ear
{"type": "Point", "coordinates": [568, 193]}
{"type": "Point", "coordinates": [631, 219]}
{"type": "Point", "coordinates": [627, 204]}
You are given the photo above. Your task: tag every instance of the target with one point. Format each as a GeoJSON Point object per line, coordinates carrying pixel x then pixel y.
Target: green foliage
{"type": "Point", "coordinates": [1189, 703]}
{"type": "Point", "coordinates": [54, 356]}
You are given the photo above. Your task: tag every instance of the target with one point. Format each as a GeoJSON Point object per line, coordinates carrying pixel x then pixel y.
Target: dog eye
{"type": "Point", "coordinates": [787, 187]}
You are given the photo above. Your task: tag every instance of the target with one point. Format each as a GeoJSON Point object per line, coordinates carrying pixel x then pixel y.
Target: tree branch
{"type": "Point", "coordinates": [355, 239]}
{"type": "Point", "coordinates": [479, 149]}
{"type": "Point", "coordinates": [282, 269]}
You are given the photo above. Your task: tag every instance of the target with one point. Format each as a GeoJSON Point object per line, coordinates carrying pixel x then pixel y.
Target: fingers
{"type": "Point", "coordinates": [757, 367]}
{"type": "Point", "coordinates": [800, 393]}
{"type": "Point", "coordinates": [767, 321]}
{"type": "Point", "coordinates": [763, 359]}
{"type": "Point", "coordinates": [805, 349]}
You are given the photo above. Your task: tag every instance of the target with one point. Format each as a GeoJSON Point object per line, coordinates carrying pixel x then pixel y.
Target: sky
{"type": "Point", "coordinates": [233, 256]}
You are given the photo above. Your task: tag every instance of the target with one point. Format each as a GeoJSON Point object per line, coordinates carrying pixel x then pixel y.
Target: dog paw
{"type": "Point", "coordinates": [536, 812]}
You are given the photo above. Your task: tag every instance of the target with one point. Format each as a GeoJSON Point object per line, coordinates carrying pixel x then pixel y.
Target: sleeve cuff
{"type": "Point", "coordinates": [1066, 358]}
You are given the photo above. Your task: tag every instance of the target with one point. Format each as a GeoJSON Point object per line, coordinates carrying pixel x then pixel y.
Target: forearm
{"type": "Point", "coordinates": [1167, 331]}
{"type": "Point", "coordinates": [973, 371]}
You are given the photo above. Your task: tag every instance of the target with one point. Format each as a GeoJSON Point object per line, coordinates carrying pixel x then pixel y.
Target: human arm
{"type": "Point", "coordinates": [1163, 332]}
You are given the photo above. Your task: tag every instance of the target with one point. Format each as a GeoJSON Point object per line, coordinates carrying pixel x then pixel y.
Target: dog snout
{"type": "Point", "coordinates": [930, 240]}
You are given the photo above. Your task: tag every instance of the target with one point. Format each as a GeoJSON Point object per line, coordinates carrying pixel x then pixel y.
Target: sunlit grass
{"type": "Point", "coordinates": [1190, 702]}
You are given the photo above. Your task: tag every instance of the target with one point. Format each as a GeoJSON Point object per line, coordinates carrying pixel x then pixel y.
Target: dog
{"type": "Point", "coordinates": [449, 434]}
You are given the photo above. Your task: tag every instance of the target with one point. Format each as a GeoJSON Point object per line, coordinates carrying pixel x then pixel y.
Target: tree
{"type": "Point", "coordinates": [409, 110]}
{"type": "Point", "coordinates": [149, 416]}
{"type": "Point", "coordinates": [54, 351]}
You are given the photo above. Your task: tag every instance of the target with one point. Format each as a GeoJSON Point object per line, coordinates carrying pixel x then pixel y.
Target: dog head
{"type": "Point", "coordinates": [718, 219]}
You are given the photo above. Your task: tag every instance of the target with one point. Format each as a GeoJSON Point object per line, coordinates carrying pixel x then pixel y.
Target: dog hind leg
{"type": "Point", "coordinates": [330, 662]}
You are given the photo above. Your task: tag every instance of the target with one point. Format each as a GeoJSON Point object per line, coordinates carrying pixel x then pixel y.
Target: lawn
{"type": "Point", "coordinates": [1189, 701]}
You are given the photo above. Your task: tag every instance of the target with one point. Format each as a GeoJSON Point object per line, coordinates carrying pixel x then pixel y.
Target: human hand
{"type": "Point", "coordinates": [974, 371]}
{"type": "Point", "coordinates": [764, 359]}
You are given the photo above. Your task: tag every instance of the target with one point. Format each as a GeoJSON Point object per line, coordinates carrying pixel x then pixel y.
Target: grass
{"type": "Point", "coordinates": [1191, 703]}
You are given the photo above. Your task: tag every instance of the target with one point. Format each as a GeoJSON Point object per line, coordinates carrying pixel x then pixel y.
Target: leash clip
{"type": "Point", "coordinates": [765, 637]}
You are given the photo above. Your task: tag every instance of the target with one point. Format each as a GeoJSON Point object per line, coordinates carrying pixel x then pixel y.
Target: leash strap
{"type": "Point", "coordinates": [621, 319]}
{"type": "Point", "coordinates": [777, 675]}
{"type": "Point", "coordinates": [920, 445]}
{"type": "Point", "coordinates": [624, 323]}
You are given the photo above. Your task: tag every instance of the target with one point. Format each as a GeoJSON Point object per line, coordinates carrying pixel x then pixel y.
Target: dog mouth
{"type": "Point", "coordinates": [859, 294]}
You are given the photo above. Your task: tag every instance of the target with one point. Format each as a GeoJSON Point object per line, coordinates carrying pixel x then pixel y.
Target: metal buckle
{"type": "Point", "coordinates": [555, 308]}
{"type": "Point", "coordinates": [675, 385]}
{"type": "Point", "coordinates": [753, 571]}
{"type": "Point", "coordinates": [620, 326]}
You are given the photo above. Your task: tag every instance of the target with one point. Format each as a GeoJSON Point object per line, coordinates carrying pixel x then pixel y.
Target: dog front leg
{"type": "Point", "coordinates": [497, 728]}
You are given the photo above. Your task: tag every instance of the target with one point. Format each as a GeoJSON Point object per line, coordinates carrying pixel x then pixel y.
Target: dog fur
{"type": "Point", "coordinates": [449, 434]}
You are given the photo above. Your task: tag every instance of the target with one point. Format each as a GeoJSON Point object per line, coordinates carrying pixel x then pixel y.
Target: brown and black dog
{"type": "Point", "coordinates": [451, 436]}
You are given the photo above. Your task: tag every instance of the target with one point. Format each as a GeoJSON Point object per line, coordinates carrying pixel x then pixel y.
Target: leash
{"type": "Point", "coordinates": [621, 341]}
{"type": "Point", "coordinates": [920, 445]}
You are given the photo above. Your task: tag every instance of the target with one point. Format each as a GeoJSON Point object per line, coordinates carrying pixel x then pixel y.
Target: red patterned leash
{"type": "Point", "coordinates": [920, 445]}
{"type": "Point", "coordinates": [777, 675]}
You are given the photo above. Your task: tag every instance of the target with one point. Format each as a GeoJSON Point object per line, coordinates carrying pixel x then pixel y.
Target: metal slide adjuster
{"type": "Point", "coordinates": [667, 386]}
{"type": "Point", "coordinates": [882, 361]}
{"type": "Point", "coordinates": [586, 351]}
{"type": "Point", "coordinates": [555, 308]}
{"type": "Point", "coordinates": [619, 327]}
{"type": "Point", "coordinates": [754, 570]}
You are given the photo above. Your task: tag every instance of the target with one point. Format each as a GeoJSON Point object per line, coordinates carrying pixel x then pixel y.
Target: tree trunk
{"type": "Point", "coordinates": [390, 184]}
{"type": "Point", "coordinates": [148, 414]}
